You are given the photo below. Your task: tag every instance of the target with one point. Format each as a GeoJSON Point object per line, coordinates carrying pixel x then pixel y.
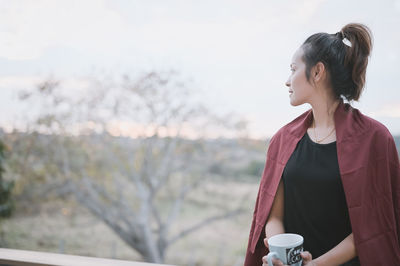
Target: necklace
{"type": "Point", "coordinates": [315, 135]}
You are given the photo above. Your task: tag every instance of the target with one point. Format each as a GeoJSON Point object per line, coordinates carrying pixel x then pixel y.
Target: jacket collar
{"type": "Point", "coordinates": [348, 123]}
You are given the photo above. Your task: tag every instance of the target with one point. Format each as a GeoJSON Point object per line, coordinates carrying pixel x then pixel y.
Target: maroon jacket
{"type": "Point", "coordinates": [370, 173]}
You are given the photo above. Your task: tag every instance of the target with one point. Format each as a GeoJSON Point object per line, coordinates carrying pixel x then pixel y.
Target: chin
{"type": "Point", "coordinates": [293, 102]}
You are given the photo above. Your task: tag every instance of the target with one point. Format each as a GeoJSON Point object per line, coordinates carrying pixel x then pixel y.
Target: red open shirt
{"type": "Point", "coordinates": [370, 172]}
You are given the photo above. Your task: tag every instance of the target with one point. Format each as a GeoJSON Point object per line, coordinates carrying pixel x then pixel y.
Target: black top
{"type": "Point", "coordinates": [315, 204]}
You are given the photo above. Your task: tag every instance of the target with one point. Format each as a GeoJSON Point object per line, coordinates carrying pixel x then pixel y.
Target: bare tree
{"type": "Point", "coordinates": [138, 187]}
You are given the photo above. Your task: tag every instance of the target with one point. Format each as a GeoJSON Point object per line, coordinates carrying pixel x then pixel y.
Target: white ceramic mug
{"type": "Point", "coordinates": [287, 248]}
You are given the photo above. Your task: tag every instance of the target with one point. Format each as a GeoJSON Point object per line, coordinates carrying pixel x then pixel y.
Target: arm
{"type": "Point", "coordinates": [274, 223]}
{"type": "Point", "coordinates": [340, 254]}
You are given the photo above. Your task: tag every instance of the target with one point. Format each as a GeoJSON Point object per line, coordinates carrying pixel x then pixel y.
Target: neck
{"type": "Point", "coordinates": [323, 113]}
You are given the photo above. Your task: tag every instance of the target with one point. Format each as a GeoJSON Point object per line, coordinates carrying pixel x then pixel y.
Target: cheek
{"type": "Point", "coordinates": [296, 78]}
{"type": "Point", "coordinates": [299, 81]}
{"type": "Point", "coordinates": [295, 82]}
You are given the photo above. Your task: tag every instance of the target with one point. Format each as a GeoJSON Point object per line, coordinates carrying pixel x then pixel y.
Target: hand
{"type": "Point", "coordinates": [266, 243]}
{"type": "Point", "coordinates": [275, 262]}
{"type": "Point", "coordinates": [307, 259]}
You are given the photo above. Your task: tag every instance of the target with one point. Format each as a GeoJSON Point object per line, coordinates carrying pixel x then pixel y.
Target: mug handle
{"type": "Point", "coordinates": [269, 257]}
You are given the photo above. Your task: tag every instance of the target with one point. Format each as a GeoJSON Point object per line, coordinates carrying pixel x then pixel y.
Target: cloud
{"type": "Point", "coordinates": [304, 10]}
{"type": "Point", "coordinates": [28, 28]}
{"type": "Point", "coordinates": [397, 5]}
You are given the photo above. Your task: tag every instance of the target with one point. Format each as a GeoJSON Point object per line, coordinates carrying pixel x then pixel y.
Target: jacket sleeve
{"type": "Point", "coordinates": [255, 253]}
{"type": "Point", "coordinates": [394, 167]}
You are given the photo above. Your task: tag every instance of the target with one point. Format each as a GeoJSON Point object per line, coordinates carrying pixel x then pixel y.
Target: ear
{"type": "Point", "coordinates": [318, 72]}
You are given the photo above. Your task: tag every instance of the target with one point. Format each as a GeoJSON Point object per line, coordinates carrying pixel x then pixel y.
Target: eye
{"type": "Point", "coordinates": [292, 70]}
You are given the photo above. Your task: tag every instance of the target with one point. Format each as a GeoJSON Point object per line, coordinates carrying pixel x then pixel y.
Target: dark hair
{"type": "Point", "coordinates": [346, 66]}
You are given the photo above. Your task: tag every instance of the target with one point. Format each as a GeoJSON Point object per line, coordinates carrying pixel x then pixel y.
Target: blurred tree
{"type": "Point", "coordinates": [6, 204]}
{"type": "Point", "coordinates": [138, 185]}
{"type": "Point", "coordinates": [254, 168]}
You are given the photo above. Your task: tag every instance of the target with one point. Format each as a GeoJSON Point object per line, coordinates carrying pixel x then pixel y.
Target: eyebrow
{"type": "Point", "coordinates": [291, 65]}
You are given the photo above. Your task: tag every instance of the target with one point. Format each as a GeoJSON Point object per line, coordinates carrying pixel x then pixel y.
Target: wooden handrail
{"type": "Point", "coordinates": [35, 258]}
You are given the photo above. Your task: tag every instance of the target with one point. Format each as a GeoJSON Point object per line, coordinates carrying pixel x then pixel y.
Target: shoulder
{"type": "Point", "coordinates": [381, 142]}
{"type": "Point", "coordinates": [376, 137]}
{"type": "Point", "coordinates": [376, 128]}
{"type": "Point", "coordinates": [352, 125]}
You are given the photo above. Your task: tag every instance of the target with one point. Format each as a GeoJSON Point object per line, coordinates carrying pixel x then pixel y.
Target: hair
{"type": "Point", "coordinates": [346, 66]}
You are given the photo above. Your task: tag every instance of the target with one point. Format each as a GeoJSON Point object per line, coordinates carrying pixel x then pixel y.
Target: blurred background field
{"type": "Point", "coordinates": [48, 218]}
{"type": "Point", "coordinates": [66, 227]}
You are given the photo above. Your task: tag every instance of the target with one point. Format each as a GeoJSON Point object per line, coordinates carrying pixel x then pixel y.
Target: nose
{"type": "Point", "coordinates": [288, 82]}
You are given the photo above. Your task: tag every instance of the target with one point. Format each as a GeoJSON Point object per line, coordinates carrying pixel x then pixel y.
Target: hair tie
{"type": "Point", "coordinates": [341, 35]}
{"type": "Point", "coordinates": [345, 40]}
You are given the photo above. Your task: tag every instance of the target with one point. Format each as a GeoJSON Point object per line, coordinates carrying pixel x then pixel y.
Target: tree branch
{"type": "Point", "coordinates": [204, 223]}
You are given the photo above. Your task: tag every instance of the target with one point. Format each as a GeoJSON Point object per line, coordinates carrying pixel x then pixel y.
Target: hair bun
{"type": "Point", "coordinates": [345, 56]}
{"type": "Point", "coordinates": [356, 57]}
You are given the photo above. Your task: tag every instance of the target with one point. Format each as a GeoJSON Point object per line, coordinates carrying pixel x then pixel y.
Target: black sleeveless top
{"type": "Point", "coordinates": [314, 204]}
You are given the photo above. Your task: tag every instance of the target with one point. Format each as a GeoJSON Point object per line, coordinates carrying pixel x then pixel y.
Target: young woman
{"type": "Point", "coordinates": [332, 175]}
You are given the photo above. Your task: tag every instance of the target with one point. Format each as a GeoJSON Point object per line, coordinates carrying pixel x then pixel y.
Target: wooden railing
{"type": "Point", "coordinates": [34, 258]}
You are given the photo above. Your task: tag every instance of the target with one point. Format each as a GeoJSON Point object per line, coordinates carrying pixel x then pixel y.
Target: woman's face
{"type": "Point", "coordinates": [300, 90]}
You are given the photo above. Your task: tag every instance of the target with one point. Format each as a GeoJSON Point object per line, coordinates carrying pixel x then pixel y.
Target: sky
{"type": "Point", "coordinates": [238, 53]}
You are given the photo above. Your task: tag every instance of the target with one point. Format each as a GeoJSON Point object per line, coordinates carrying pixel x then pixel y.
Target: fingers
{"type": "Point", "coordinates": [306, 256]}
{"type": "Point", "coordinates": [266, 242]}
{"type": "Point", "coordinates": [275, 262]}
{"type": "Point", "coordinates": [264, 260]}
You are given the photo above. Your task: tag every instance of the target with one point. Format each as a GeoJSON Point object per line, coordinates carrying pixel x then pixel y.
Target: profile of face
{"type": "Point", "coordinates": [300, 90]}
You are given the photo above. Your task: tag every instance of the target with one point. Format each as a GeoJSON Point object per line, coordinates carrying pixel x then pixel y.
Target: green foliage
{"type": "Point", "coordinates": [254, 168]}
{"type": "Point", "coordinates": [6, 204]}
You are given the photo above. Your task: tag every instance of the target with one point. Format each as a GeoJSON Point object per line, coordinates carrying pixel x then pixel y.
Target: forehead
{"type": "Point", "coordinates": [297, 57]}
